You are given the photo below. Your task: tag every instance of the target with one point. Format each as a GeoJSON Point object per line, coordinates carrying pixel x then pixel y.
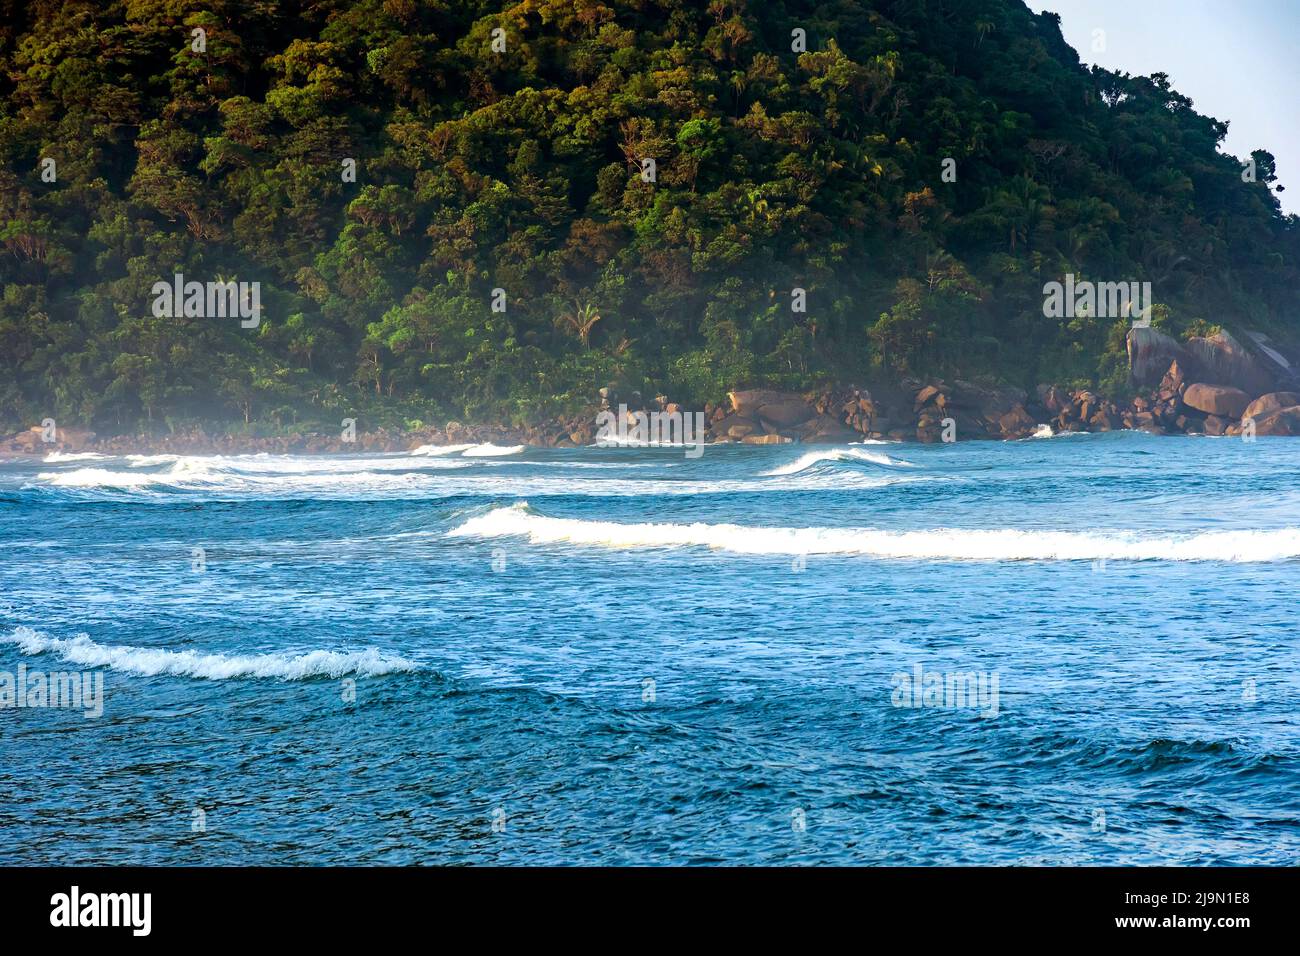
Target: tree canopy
{"type": "Point", "coordinates": [489, 210]}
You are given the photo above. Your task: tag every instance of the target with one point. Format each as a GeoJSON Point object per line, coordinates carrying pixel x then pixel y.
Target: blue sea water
{"type": "Point", "coordinates": [632, 656]}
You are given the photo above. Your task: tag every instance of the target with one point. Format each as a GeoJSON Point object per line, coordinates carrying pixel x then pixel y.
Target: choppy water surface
{"type": "Point", "coordinates": [632, 656]}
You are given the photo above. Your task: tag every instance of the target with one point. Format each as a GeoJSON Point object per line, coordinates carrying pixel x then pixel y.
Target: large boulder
{"type": "Point", "coordinates": [1221, 359]}
{"type": "Point", "coordinates": [1174, 380]}
{"type": "Point", "coordinates": [1267, 404]}
{"type": "Point", "coordinates": [1280, 366]}
{"type": "Point", "coordinates": [785, 412]}
{"type": "Point", "coordinates": [1150, 353]}
{"type": "Point", "coordinates": [1053, 399]}
{"type": "Point", "coordinates": [1284, 421]}
{"type": "Point", "coordinates": [736, 426]}
{"type": "Point", "coordinates": [75, 439]}
{"type": "Point", "coordinates": [1017, 423]}
{"type": "Point", "coordinates": [925, 395]}
{"type": "Point", "coordinates": [825, 430]}
{"type": "Point", "coordinates": [749, 401]}
{"type": "Point", "coordinates": [1220, 400]}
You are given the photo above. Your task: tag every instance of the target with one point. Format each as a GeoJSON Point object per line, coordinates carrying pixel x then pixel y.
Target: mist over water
{"type": "Point", "coordinates": [626, 655]}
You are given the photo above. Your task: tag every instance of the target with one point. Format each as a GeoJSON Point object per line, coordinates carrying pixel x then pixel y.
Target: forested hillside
{"type": "Point", "coordinates": [478, 169]}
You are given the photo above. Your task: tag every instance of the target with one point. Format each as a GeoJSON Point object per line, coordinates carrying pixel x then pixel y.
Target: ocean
{"type": "Point", "coordinates": [1071, 650]}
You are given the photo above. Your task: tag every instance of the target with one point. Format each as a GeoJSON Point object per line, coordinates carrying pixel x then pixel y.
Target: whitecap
{"type": "Point", "coordinates": [149, 661]}
{"type": "Point", "coordinates": [935, 544]}
{"type": "Point", "coordinates": [490, 450]}
{"type": "Point", "coordinates": [55, 457]}
{"type": "Point", "coordinates": [96, 478]}
{"type": "Point", "coordinates": [437, 450]}
{"type": "Point", "coordinates": [809, 459]}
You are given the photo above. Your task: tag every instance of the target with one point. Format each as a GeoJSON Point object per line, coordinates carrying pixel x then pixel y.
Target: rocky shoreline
{"type": "Point", "coordinates": [1210, 386]}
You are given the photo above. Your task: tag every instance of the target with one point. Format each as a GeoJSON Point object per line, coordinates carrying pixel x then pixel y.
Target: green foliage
{"type": "Point", "coordinates": [520, 171]}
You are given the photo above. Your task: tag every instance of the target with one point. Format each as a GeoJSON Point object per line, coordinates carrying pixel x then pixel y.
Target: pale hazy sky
{"type": "Point", "coordinates": [1237, 60]}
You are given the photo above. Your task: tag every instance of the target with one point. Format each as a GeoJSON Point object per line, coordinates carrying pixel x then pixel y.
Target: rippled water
{"type": "Point", "coordinates": [632, 656]}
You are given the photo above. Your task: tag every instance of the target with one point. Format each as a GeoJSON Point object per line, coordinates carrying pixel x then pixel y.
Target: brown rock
{"type": "Point", "coordinates": [1214, 425]}
{"type": "Point", "coordinates": [826, 429]}
{"type": "Point", "coordinates": [786, 412]}
{"type": "Point", "coordinates": [1102, 421]}
{"type": "Point", "coordinates": [924, 395]}
{"type": "Point", "coordinates": [1150, 353]}
{"type": "Point", "coordinates": [1174, 379]}
{"type": "Point", "coordinates": [770, 439]}
{"type": "Point", "coordinates": [1225, 362]}
{"type": "Point", "coordinates": [735, 426]}
{"type": "Point", "coordinates": [1219, 400]}
{"type": "Point", "coordinates": [749, 401]}
{"type": "Point", "coordinates": [1017, 423]}
{"type": "Point", "coordinates": [1272, 402]}
{"type": "Point", "coordinates": [1052, 398]}
{"type": "Point", "coordinates": [1284, 421]}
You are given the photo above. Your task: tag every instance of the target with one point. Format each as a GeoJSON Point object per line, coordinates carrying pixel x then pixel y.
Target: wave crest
{"type": "Point", "coordinates": [938, 544]}
{"type": "Point", "coordinates": [813, 458]}
{"type": "Point", "coordinates": [490, 450]}
{"type": "Point", "coordinates": [149, 661]}
{"type": "Point", "coordinates": [55, 457]}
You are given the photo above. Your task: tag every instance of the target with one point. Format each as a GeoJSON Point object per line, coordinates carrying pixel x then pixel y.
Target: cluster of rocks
{"type": "Point", "coordinates": [35, 441]}
{"type": "Point", "coordinates": [907, 411]}
{"type": "Point", "coordinates": [1209, 385]}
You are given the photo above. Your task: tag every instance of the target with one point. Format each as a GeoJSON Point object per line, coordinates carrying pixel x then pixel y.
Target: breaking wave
{"type": "Point", "coordinates": [939, 544]}
{"type": "Point", "coordinates": [55, 457]}
{"type": "Point", "coordinates": [487, 450]}
{"type": "Point", "coordinates": [813, 458]}
{"type": "Point", "coordinates": [490, 450]}
{"type": "Point", "coordinates": [436, 451]}
{"type": "Point", "coordinates": [97, 478]}
{"type": "Point", "coordinates": [148, 661]}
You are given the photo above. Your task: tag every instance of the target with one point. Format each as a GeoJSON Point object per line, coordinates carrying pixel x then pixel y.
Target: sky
{"type": "Point", "coordinates": [1237, 60]}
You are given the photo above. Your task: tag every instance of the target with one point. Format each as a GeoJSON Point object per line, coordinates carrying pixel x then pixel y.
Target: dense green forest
{"type": "Point", "coordinates": [222, 155]}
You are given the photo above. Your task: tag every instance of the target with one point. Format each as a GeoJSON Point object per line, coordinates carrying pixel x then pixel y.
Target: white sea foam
{"type": "Point", "coordinates": [183, 471]}
{"type": "Point", "coordinates": [490, 450]}
{"type": "Point", "coordinates": [938, 544]}
{"type": "Point", "coordinates": [439, 450]}
{"type": "Point", "coordinates": [1045, 431]}
{"type": "Point", "coordinates": [96, 478]}
{"type": "Point", "coordinates": [55, 457]}
{"type": "Point", "coordinates": [405, 475]}
{"type": "Point", "coordinates": [487, 450]}
{"type": "Point", "coordinates": [809, 459]}
{"type": "Point", "coordinates": [148, 661]}
{"type": "Point", "coordinates": [631, 441]}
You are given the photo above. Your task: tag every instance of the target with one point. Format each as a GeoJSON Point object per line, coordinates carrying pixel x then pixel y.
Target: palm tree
{"type": "Point", "coordinates": [739, 81]}
{"type": "Point", "coordinates": [580, 319]}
